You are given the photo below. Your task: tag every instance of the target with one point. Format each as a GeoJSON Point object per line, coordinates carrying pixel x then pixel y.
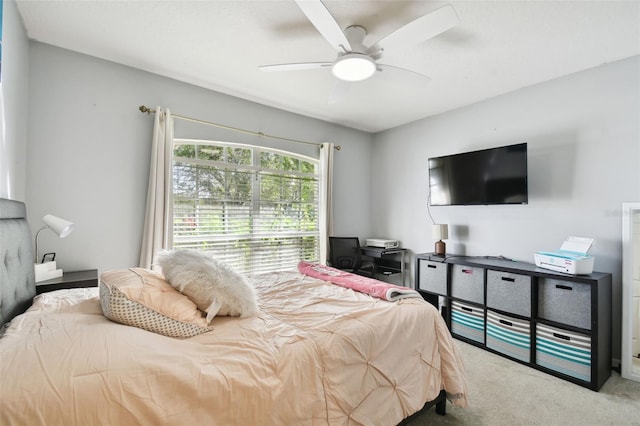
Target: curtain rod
{"type": "Point", "coordinates": [148, 110]}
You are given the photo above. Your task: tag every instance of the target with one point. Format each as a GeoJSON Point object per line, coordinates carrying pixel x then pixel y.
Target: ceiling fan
{"type": "Point", "coordinates": [355, 61]}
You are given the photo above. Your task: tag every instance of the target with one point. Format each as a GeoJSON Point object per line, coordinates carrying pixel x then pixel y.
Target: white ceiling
{"type": "Point", "coordinates": [497, 47]}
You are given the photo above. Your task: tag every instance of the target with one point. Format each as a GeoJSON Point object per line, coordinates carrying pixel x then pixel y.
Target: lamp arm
{"type": "Point", "coordinates": [37, 234]}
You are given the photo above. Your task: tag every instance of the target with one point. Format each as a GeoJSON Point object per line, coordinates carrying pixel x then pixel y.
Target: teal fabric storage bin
{"type": "Point", "coordinates": [467, 321]}
{"type": "Point", "coordinates": [509, 336]}
{"type": "Point", "coordinates": [564, 351]}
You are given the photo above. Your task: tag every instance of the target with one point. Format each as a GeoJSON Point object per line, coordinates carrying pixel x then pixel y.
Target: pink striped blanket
{"type": "Point", "coordinates": [356, 282]}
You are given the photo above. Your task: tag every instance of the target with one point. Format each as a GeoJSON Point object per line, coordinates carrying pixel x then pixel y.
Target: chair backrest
{"type": "Point", "coordinates": [344, 253]}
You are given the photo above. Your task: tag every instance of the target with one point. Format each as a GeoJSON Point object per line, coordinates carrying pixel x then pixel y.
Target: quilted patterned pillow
{"type": "Point", "coordinates": [142, 298]}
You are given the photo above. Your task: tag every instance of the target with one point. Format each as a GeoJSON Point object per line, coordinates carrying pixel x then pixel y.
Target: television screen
{"type": "Point", "coordinates": [488, 176]}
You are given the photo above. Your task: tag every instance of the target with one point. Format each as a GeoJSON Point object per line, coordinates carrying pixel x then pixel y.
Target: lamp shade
{"type": "Point", "coordinates": [440, 232]}
{"type": "Point", "coordinates": [59, 226]}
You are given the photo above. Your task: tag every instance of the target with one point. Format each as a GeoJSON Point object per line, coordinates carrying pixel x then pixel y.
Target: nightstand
{"type": "Point", "coordinates": [75, 279]}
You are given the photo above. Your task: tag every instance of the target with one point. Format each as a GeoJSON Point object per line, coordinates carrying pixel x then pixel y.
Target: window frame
{"type": "Point", "coordinates": [257, 259]}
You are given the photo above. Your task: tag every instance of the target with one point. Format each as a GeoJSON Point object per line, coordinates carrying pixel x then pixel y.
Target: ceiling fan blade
{"type": "Point", "coordinates": [390, 71]}
{"type": "Point", "coordinates": [339, 92]}
{"type": "Point", "coordinates": [320, 17]}
{"type": "Point", "coordinates": [419, 30]}
{"type": "Point", "coordinates": [295, 67]}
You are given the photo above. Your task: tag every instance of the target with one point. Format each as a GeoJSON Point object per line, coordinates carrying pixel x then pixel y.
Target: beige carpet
{"type": "Point", "coordinates": [504, 392]}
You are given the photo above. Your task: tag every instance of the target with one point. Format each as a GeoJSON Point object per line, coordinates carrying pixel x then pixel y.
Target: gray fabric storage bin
{"type": "Point", "coordinates": [467, 283]}
{"type": "Point", "coordinates": [433, 276]}
{"type": "Point", "coordinates": [565, 302]}
{"type": "Point", "coordinates": [509, 292]}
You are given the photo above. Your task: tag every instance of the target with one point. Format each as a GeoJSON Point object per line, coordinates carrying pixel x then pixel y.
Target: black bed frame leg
{"type": "Point", "coordinates": [441, 407]}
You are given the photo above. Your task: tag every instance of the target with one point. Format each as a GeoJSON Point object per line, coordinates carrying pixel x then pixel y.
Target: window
{"type": "Point", "coordinates": [253, 208]}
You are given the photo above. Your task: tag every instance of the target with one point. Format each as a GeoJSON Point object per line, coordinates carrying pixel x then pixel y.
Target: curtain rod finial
{"type": "Point", "coordinates": [144, 108]}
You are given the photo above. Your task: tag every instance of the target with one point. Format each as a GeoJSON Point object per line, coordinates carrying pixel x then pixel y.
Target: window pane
{"type": "Point", "coordinates": [289, 163]}
{"type": "Point", "coordinates": [186, 151]}
{"type": "Point", "coordinates": [239, 155]}
{"type": "Point", "coordinates": [269, 160]}
{"type": "Point", "coordinates": [209, 152]}
{"type": "Point", "coordinates": [307, 167]}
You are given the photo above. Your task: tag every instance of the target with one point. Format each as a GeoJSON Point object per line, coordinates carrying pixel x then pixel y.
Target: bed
{"type": "Point", "coordinates": [314, 354]}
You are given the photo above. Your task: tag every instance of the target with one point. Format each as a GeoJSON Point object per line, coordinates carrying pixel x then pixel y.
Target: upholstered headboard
{"type": "Point", "coordinates": [17, 283]}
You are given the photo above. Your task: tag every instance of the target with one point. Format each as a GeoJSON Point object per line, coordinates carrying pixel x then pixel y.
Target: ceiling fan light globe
{"type": "Point", "coordinates": [354, 67]}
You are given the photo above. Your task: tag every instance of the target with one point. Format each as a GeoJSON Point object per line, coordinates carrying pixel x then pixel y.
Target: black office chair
{"type": "Point", "coordinates": [344, 253]}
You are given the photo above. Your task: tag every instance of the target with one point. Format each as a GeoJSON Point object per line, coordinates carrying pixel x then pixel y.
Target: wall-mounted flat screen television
{"type": "Point", "coordinates": [484, 177]}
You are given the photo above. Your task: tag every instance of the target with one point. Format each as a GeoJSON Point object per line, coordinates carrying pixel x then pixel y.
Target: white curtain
{"type": "Point", "coordinates": [326, 199]}
{"type": "Point", "coordinates": [158, 224]}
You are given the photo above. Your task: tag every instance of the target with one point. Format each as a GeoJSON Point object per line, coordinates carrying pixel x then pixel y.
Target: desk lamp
{"type": "Point", "coordinates": [60, 226]}
{"type": "Point", "coordinates": [440, 232]}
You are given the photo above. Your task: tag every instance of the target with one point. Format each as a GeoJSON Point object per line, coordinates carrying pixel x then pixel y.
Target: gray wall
{"type": "Point", "coordinates": [88, 151]}
{"type": "Point", "coordinates": [13, 104]}
{"type": "Point", "coordinates": [584, 161]}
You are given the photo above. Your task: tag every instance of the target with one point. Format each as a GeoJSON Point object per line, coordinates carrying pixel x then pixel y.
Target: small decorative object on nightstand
{"type": "Point", "coordinates": [76, 279]}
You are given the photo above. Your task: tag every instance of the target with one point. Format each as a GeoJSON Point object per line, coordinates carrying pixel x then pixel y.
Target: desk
{"type": "Point", "coordinates": [385, 260]}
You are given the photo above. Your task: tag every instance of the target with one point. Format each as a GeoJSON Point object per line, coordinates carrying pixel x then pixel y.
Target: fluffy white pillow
{"type": "Point", "coordinates": [214, 287]}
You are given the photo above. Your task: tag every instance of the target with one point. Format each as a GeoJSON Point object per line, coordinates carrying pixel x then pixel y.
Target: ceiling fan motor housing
{"type": "Point", "coordinates": [355, 34]}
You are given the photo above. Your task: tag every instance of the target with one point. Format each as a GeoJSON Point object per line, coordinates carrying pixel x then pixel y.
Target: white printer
{"type": "Point", "coordinates": [382, 243]}
{"type": "Point", "coordinates": [572, 258]}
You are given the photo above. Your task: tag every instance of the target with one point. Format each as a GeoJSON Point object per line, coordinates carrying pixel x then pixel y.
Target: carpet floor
{"type": "Point", "coordinates": [504, 392]}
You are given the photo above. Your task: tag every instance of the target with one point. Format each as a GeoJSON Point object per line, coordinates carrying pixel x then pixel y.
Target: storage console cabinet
{"type": "Point", "coordinates": [554, 322]}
